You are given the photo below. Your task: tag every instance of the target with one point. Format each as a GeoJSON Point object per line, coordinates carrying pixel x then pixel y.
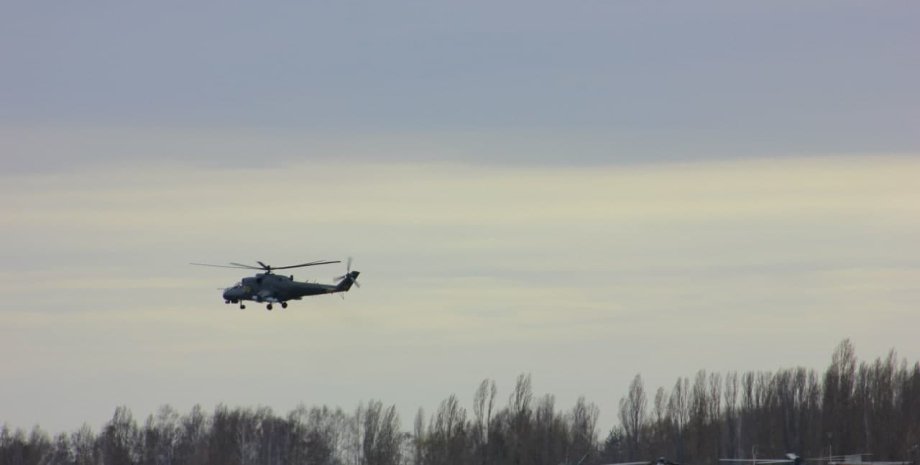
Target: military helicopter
{"type": "Point", "coordinates": [273, 288]}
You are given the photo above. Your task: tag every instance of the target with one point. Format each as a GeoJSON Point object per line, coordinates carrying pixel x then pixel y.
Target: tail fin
{"type": "Point", "coordinates": [347, 281]}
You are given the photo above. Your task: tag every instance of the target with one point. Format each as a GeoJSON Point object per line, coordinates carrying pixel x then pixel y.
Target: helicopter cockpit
{"type": "Point", "coordinates": [237, 292]}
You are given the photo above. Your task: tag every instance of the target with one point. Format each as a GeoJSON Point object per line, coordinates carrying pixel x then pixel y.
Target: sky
{"type": "Point", "coordinates": [581, 190]}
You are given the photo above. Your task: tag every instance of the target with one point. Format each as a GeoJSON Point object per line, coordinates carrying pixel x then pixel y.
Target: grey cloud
{"type": "Point", "coordinates": [592, 82]}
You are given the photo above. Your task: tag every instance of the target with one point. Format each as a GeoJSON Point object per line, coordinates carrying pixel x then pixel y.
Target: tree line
{"type": "Point", "coordinates": [851, 407]}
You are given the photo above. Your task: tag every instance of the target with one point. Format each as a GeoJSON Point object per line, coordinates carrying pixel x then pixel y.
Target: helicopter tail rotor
{"type": "Point", "coordinates": [348, 279]}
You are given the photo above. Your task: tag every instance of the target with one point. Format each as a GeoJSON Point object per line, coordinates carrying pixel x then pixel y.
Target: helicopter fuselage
{"type": "Point", "coordinates": [268, 287]}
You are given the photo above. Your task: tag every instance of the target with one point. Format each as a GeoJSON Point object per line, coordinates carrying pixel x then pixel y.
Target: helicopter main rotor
{"type": "Point", "coordinates": [268, 268]}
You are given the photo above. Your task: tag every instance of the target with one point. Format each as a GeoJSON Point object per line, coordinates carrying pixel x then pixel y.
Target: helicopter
{"type": "Point", "coordinates": [272, 288]}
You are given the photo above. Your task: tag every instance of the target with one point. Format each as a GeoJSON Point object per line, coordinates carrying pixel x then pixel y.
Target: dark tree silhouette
{"type": "Point", "coordinates": [851, 406]}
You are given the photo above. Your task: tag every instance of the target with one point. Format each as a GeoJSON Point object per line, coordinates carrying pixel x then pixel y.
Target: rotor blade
{"type": "Point", "coordinates": [250, 267]}
{"type": "Point", "coordinates": [264, 266]}
{"type": "Point", "coordinates": [356, 283]}
{"type": "Point", "coordinates": [318, 262]}
{"type": "Point", "coordinates": [236, 265]}
{"type": "Point", "coordinates": [348, 268]}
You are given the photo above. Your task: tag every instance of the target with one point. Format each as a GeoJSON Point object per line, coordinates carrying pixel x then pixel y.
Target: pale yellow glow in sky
{"type": "Point", "coordinates": [592, 273]}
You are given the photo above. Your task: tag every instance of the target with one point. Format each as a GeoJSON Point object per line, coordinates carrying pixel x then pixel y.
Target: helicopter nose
{"type": "Point", "coordinates": [233, 293]}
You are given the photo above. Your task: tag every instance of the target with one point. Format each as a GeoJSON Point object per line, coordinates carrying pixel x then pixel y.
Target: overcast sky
{"type": "Point", "coordinates": [579, 190]}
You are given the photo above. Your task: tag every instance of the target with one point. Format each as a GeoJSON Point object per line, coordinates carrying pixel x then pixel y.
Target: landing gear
{"type": "Point", "coordinates": [283, 304]}
{"type": "Point", "coordinates": [269, 307]}
{"type": "Point", "coordinates": [242, 307]}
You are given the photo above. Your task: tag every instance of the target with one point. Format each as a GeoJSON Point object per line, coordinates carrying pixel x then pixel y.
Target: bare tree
{"type": "Point", "coordinates": [83, 441]}
{"type": "Point", "coordinates": [419, 438]}
{"type": "Point", "coordinates": [382, 439]}
{"type": "Point", "coordinates": [61, 451]}
{"type": "Point", "coordinates": [449, 436]}
{"type": "Point", "coordinates": [195, 436]}
{"type": "Point", "coordinates": [583, 419]}
{"type": "Point", "coordinates": [679, 415]}
{"type": "Point", "coordinates": [731, 427]}
{"type": "Point", "coordinates": [161, 437]}
{"type": "Point", "coordinates": [483, 403]}
{"type": "Point", "coordinates": [632, 416]}
{"type": "Point", "coordinates": [119, 439]}
{"type": "Point", "coordinates": [549, 439]}
{"type": "Point", "coordinates": [520, 415]}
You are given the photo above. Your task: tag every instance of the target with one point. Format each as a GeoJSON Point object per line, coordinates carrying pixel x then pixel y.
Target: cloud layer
{"type": "Point", "coordinates": [470, 271]}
